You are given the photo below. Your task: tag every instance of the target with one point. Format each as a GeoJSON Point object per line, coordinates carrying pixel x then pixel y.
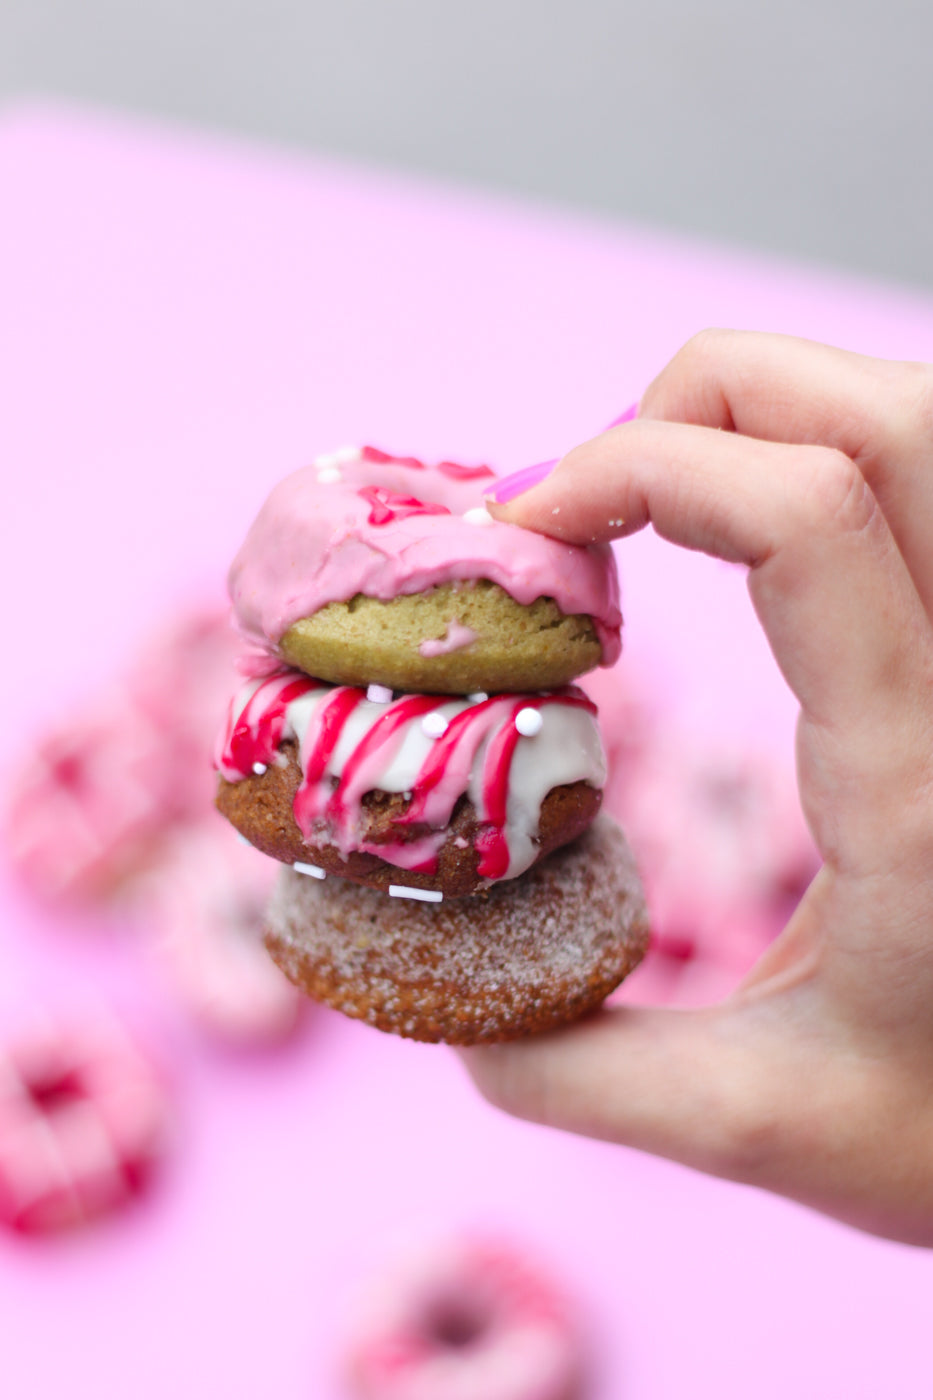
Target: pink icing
{"type": "Point", "coordinates": [391, 526]}
{"type": "Point", "coordinates": [328, 801]}
{"type": "Point", "coordinates": [455, 638]}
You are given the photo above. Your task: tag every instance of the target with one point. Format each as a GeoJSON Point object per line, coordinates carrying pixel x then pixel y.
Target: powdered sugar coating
{"type": "Point", "coordinates": [530, 955]}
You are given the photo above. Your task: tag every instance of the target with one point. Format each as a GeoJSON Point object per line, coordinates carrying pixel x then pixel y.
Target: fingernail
{"type": "Point", "coordinates": [511, 486]}
{"type": "Point", "coordinates": [627, 417]}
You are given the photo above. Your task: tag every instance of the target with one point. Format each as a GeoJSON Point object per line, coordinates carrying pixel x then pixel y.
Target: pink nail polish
{"type": "Point", "coordinates": [513, 485]}
{"type": "Point", "coordinates": [628, 416]}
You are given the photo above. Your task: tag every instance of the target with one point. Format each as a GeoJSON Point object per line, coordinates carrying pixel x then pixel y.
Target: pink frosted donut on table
{"type": "Point", "coordinates": [98, 793]}
{"type": "Point", "coordinates": [364, 521]}
{"type": "Point", "coordinates": [83, 1118]}
{"type": "Point", "coordinates": [465, 1318]}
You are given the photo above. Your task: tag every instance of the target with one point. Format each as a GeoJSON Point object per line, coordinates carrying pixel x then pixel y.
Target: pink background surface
{"type": "Point", "coordinates": [182, 322]}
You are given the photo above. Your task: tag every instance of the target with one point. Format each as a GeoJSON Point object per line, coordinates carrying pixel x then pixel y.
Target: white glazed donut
{"type": "Point", "coordinates": [468, 1319]}
{"type": "Point", "coordinates": [83, 1118]}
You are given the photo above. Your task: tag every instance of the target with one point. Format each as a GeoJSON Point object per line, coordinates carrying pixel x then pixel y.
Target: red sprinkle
{"type": "Point", "coordinates": [376, 454]}
{"type": "Point", "coordinates": [457, 472]}
{"type": "Point", "coordinates": [387, 506]}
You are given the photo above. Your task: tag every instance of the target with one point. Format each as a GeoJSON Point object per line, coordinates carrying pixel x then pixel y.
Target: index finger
{"type": "Point", "coordinates": [829, 584]}
{"type": "Point", "coordinates": [879, 413]}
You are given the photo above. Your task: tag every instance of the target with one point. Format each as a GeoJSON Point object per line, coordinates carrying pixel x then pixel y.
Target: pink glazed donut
{"type": "Point", "coordinates": [368, 568]}
{"type": "Point", "coordinates": [467, 1318]}
{"type": "Point", "coordinates": [83, 1118]}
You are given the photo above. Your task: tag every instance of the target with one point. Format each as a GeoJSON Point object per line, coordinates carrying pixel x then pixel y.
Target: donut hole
{"type": "Point", "coordinates": [52, 1092]}
{"type": "Point", "coordinates": [454, 1323]}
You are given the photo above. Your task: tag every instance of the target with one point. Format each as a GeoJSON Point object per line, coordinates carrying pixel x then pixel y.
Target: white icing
{"type": "Point", "coordinates": [566, 749]}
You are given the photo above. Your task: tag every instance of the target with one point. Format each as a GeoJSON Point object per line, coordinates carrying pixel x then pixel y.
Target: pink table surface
{"type": "Point", "coordinates": [181, 322]}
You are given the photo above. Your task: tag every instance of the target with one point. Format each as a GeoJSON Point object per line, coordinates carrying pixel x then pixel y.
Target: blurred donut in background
{"type": "Point", "coordinates": [113, 812]}
{"type": "Point", "coordinates": [83, 1120]}
{"type": "Point", "coordinates": [462, 1317]}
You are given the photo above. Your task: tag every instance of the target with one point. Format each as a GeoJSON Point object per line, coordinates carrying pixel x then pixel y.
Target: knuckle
{"type": "Point", "coordinates": [705, 348]}
{"type": "Point", "coordinates": [699, 362]}
{"type": "Point", "coordinates": [834, 496]}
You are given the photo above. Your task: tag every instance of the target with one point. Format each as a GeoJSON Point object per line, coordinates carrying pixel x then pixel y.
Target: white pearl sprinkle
{"type": "Point", "coordinates": [326, 461]}
{"type": "Point", "coordinates": [379, 694]}
{"type": "Point", "coordinates": [314, 870]}
{"type": "Point", "coordinates": [328, 476]}
{"type": "Point", "coordinates": [259, 769]}
{"type": "Point", "coordinates": [347, 454]}
{"type": "Point", "coordinates": [477, 697]}
{"type": "Point", "coordinates": [479, 515]}
{"type": "Point", "coordinates": [434, 725]}
{"type": "Point", "coordinates": [529, 722]}
{"type": "Point", "coordinates": [406, 892]}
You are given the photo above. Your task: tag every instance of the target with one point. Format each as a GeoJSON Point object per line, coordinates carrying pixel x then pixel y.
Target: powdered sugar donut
{"type": "Point", "coordinates": [83, 1118]}
{"type": "Point", "coordinates": [526, 956]}
{"type": "Point", "coordinates": [462, 1319]}
{"type": "Point", "coordinates": [368, 568]}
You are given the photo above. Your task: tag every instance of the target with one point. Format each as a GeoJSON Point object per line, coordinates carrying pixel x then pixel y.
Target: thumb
{"type": "Point", "coordinates": [680, 1084]}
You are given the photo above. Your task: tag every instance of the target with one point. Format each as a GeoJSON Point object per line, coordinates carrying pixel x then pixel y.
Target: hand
{"type": "Point", "coordinates": [814, 1079]}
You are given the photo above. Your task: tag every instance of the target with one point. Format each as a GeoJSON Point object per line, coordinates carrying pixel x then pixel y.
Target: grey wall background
{"type": "Point", "coordinates": [803, 127]}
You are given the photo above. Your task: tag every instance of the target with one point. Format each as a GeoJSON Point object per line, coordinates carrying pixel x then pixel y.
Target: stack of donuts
{"type": "Point", "coordinates": [409, 743]}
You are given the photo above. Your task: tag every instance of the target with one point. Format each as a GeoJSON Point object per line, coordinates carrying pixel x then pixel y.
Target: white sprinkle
{"type": "Point", "coordinates": [259, 769]}
{"type": "Point", "coordinates": [434, 725]}
{"type": "Point", "coordinates": [407, 796]}
{"type": "Point", "coordinates": [529, 722]}
{"type": "Point", "coordinates": [379, 694]}
{"type": "Point", "coordinates": [327, 476]}
{"type": "Point", "coordinates": [347, 454]}
{"type": "Point", "coordinates": [616, 522]}
{"type": "Point", "coordinates": [556, 510]}
{"type": "Point", "coordinates": [477, 697]}
{"type": "Point", "coordinates": [406, 892]}
{"type": "Point", "coordinates": [479, 515]}
{"type": "Point", "coordinates": [314, 870]}
{"type": "Point", "coordinates": [326, 461]}
{"type": "Point", "coordinates": [244, 840]}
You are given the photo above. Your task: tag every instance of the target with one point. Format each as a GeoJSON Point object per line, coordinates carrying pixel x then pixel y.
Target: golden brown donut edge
{"type": "Point", "coordinates": [261, 809]}
{"type": "Point", "coordinates": [518, 647]}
